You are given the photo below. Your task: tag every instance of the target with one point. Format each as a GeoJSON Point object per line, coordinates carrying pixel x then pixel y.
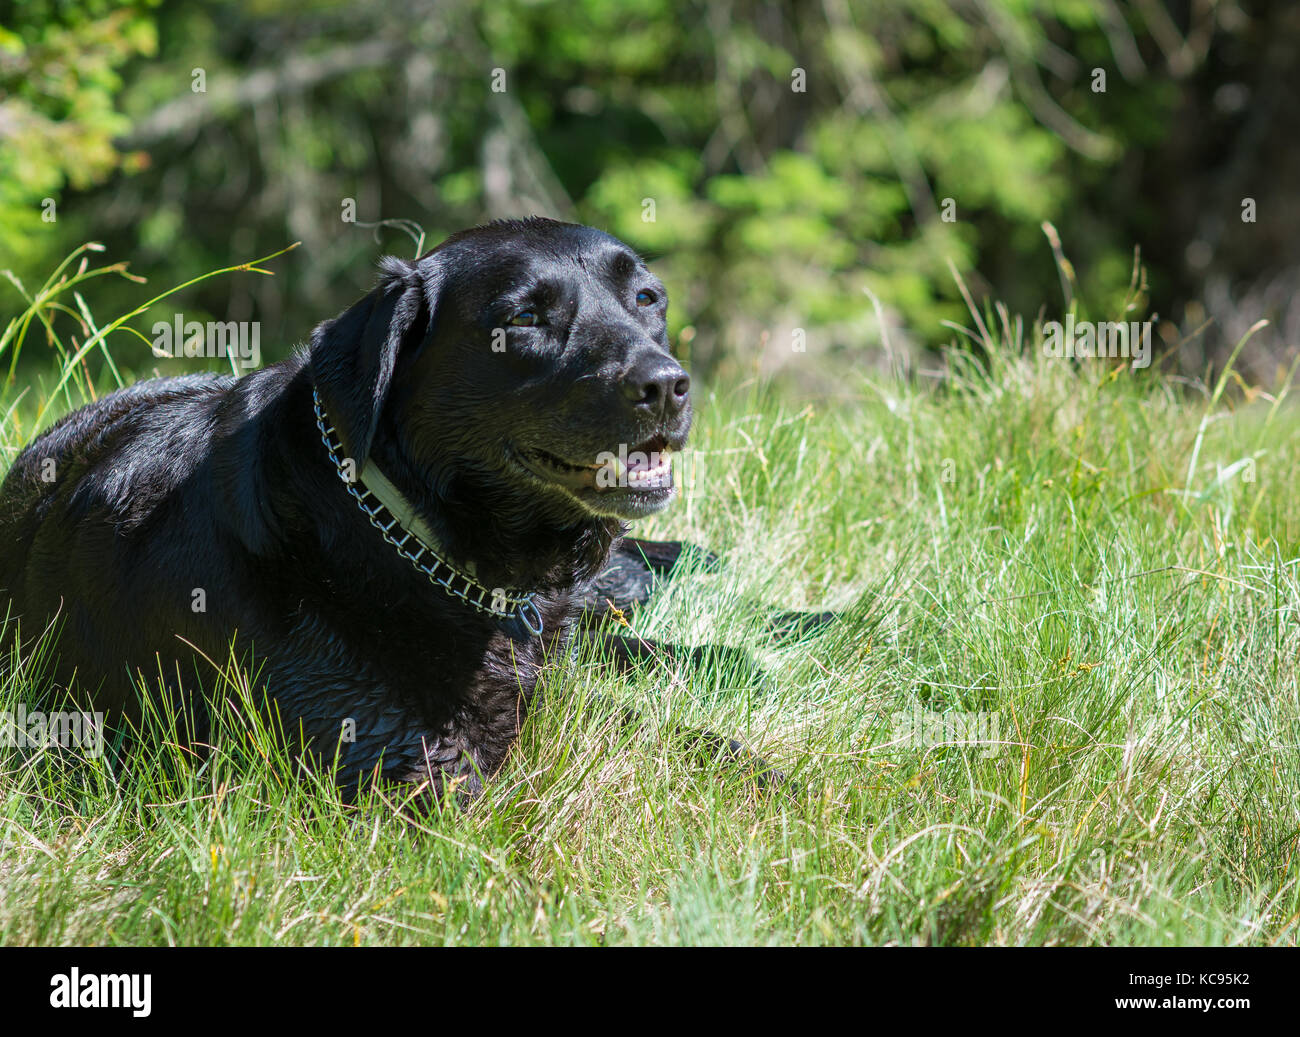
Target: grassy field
{"type": "Point", "coordinates": [1092, 573]}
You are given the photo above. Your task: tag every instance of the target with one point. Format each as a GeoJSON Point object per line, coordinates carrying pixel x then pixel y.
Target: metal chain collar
{"type": "Point", "coordinates": [500, 603]}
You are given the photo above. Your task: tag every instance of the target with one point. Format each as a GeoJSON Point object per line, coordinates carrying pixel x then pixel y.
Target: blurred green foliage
{"type": "Point", "coordinates": [59, 82]}
{"type": "Point", "coordinates": [779, 160]}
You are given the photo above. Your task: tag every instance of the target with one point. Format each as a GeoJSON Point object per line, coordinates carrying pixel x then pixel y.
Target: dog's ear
{"type": "Point", "coordinates": [354, 355]}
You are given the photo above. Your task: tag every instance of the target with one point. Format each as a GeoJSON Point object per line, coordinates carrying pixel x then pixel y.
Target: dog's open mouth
{"type": "Point", "coordinates": [645, 468]}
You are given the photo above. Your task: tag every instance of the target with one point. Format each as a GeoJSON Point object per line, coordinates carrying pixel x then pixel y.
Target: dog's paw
{"type": "Point", "coordinates": [763, 773]}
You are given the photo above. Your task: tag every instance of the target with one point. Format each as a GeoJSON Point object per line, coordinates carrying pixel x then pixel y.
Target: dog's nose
{"type": "Point", "coordinates": [659, 384]}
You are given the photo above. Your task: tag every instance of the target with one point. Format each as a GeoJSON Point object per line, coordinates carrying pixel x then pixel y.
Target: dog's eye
{"type": "Point", "coordinates": [524, 319]}
{"type": "Point", "coordinates": [644, 298]}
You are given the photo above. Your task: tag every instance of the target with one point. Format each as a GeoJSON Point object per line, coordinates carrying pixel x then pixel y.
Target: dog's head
{"type": "Point", "coordinates": [531, 356]}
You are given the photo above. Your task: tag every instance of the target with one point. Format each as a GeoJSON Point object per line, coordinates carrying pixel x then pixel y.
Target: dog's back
{"type": "Point", "coordinates": [85, 509]}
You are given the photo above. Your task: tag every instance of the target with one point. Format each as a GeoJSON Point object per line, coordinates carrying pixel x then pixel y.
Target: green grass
{"type": "Point", "coordinates": [1074, 551]}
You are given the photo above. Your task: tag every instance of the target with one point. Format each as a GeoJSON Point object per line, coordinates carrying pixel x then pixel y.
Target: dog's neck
{"type": "Point", "coordinates": [544, 553]}
{"type": "Point", "coordinates": [396, 520]}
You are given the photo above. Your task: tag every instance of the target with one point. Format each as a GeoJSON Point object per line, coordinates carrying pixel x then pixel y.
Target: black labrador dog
{"type": "Point", "coordinates": [394, 528]}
